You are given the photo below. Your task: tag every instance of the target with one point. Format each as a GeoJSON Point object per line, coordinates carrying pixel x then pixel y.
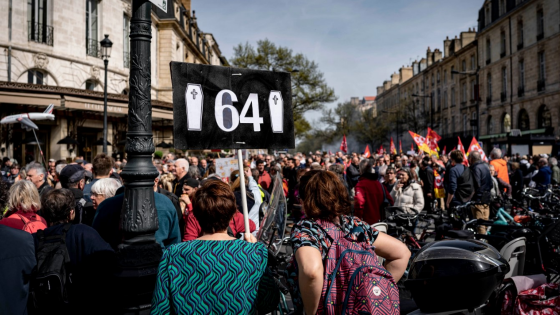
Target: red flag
{"type": "Point", "coordinates": [420, 141]}
{"type": "Point", "coordinates": [367, 154]}
{"type": "Point", "coordinates": [444, 147]}
{"type": "Point", "coordinates": [461, 148]}
{"type": "Point", "coordinates": [380, 151]}
{"type": "Point", "coordinates": [392, 148]}
{"type": "Point", "coordinates": [476, 147]}
{"type": "Point", "coordinates": [411, 147]}
{"type": "Point", "coordinates": [432, 139]}
{"type": "Point", "coordinates": [400, 146]}
{"type": "Point", "coordinates": [344, 145]}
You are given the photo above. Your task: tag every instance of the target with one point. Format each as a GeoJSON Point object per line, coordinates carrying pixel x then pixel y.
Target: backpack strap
{"type": "Point", "coordinates": [335, 232]}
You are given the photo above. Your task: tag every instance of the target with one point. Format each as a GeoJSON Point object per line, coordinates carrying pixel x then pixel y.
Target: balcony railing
{"type": "Point", "coordinates": [93, 48]}
{"type": "Point", "coordinates": [541, 85]}
{"type": "Point", "coordinates": [40, 33]}
{"type": "Point", "coordinates": [520, 91]}
{"type": "Point", "coordinates": [540, 36]}
{"type": "Point", "coordinates": [503, 96]}
{"type": "Point", "coordinates": [488, 101]}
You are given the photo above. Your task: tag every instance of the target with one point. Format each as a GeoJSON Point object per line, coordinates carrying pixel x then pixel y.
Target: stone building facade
{"type": "Point", "coordinates": [500, 84]}
{"type": "Point", "coordinates": [51, 54]}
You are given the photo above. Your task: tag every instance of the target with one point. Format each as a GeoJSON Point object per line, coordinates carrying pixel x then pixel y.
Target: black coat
{"type": "Point", "coordinates": [17, 260]}
{"type": "Point", "coordinates": [84, 208]}
{"type": "Point", "coordinates": [427, 177]}
{"type": "Point", "coordinates": [352, 175]}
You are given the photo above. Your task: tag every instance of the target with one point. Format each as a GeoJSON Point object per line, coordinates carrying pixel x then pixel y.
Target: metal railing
{"type": "Point", "coordinates": [40, 33]}
{"type": "Point", "coordinates": [93, 48]}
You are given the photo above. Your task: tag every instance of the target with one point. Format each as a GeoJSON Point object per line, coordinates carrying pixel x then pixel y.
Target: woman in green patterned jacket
{"type": "Point", "coordinates": [216, 273]}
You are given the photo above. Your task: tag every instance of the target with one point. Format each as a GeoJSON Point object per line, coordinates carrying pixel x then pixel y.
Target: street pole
{"type": "Point", "coordinates": [478, 105]}
{"type": "Point", "coordinates": [106, 62]}
{"type": "Point", "coordinates": [139, 253]}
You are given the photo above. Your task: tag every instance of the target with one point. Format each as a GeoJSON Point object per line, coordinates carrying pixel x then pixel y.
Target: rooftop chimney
{"type": "Point", "coordinates": [437, 55]}
{"type": "Point", "coordinates": [405, 74]}
{"type": "Point", "coordinates": [446, 44]}
{"type": "Point", "coordinates": [429, 56]}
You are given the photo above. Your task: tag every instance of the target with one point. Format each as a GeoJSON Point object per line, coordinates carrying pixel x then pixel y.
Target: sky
{"type": "Point", "coordinates": [357, 44]}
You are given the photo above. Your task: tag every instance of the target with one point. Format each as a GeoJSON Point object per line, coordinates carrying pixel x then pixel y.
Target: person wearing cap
{"type": "Point", "coordinates": [102, 167]}
{"type": "Point", "coordinates": [190, 187]}
{"type": "Point", "coordinates": [176, 203]}
{"type": "Point", "coordinates": [72, 177]}
{"type": "Point", "coordinates": [37, 174]}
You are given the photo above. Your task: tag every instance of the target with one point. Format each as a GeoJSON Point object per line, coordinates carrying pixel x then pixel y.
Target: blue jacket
{"type": "Point", "coordinates": [482, 182]}
{"type": "Point", "coordinates": [17, 260]}
{"type": "Point", "coordinates": [107, 220]}
{"type": "Point", "coordinates": [543, 176]}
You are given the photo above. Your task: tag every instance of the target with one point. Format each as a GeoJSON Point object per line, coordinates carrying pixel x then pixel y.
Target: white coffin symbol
{"type": "Point", "coordinates": [276, 106]}
{"type": "Point", "coordinates": [194, 100]}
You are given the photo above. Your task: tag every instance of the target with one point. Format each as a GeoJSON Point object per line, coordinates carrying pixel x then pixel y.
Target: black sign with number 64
{"type": "Point", "coordinates": [218, 107]}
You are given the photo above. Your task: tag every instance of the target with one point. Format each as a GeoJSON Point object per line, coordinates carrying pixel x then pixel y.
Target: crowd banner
{"type": "Point", "coordinates": [218, 107]}
{"type": "Point", "coordinates": [392, 147]}
{"type": "Point", "coordinates": [438, 185]}
{"type": "Point", "coordinates": [225, 166]}
{"type": "Point", "coordinates": [420, 142]}
{"type": "Point", "coordinates": [367, 154]}
{"type": "Point", "coordinates": [461, 148]}
{"type": "Point", "coordinates": [344, 145]}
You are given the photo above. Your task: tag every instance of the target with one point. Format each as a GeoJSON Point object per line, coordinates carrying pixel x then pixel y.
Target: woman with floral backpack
{"type": "Point", "coordinates": [336, 269]}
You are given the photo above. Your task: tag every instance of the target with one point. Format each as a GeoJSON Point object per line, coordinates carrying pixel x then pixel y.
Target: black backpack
{"type": "Point", "coordinates": [49, 286]}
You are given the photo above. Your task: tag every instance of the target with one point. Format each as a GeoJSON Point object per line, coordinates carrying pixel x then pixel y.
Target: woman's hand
{"type": "Point", "coordinates": [248, 173]}
{"type": "Point", "coordinates": [185, 198]}
{"type": "Point", "coordinates": [249, 237]}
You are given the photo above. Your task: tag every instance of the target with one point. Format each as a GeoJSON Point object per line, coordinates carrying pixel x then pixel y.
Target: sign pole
{"type": "Point", "coordinates": [243, 190]}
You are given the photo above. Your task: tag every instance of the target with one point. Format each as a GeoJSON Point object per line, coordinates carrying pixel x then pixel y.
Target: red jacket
{"type": "Point", "coordinates": [15, 221]}
{"type": "Point", "coordinates": [369, 197]}
{"type": "Point", "coordinates": [193, 230]}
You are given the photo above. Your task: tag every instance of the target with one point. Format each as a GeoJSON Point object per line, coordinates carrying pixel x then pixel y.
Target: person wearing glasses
{"type": "Point", "coordinates": [103, 189]}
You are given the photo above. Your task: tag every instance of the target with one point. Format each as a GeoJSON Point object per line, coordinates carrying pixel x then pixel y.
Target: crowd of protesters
{"type": "Point", "coordinates": [197, 210]}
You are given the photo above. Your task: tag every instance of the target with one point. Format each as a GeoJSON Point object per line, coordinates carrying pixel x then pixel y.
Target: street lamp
{"type": "Point", "coordinates": [431, 112]}
{"type": "Point", "coordinates": [475, 73]}
{"type": "Point", "coordinates": [106, 45]}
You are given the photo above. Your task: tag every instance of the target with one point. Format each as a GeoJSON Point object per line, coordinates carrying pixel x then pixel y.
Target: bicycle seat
{"type": "Point", "coordinates": [391, 224]}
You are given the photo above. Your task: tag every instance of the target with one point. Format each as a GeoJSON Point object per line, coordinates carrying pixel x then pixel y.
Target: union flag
{"type": "Point", "coordinates": [476, 147]}
{"type": "Point", "coordinates": [367, 154]}
{"type": "Point", "coordinates": [461, 148]}
{"type": "Point", "coordinates": [392, 148]}
{"type": "Point", "coordinates": [344, 145]}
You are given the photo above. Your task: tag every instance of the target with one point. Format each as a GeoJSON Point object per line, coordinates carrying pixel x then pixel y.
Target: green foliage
{"type": "Point", "coordinates": [158, 154]}
{"type": "Point", "coordinates": [309, 89]}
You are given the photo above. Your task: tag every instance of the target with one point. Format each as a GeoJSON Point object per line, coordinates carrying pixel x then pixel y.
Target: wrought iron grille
{"type": "Point", "coordinates": [40, 33]}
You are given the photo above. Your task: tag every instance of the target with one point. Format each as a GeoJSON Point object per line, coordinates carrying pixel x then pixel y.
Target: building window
{"type": "Point", "coordinates": [444, 76]}
{"type": "Point", "coordinates": [502, 44]}
{"type": "Point", "coordinates": [432, 80]}
{"type": "Point", "coordinates": [504, 80]}
{"type": "Point", "coordinates": [521, 74]}
{"type": "Point", "coordinates": [520, 34]}
{"type": "Point", "coordinates": [36, 77]}
{"type": "Point", "coordinates": [465, 124]}
{"type": "Point", "coordinates": [488, 51]}
{"type": "Point", "coordinates": [452, 124]}
{"type": "Point", "coordinates": [438, 105]}
{"type": "Point", "coordinates": [92, 41]}
{"type": "Point", "coordinates": [464, 93]}
{"type": "Point", "coordinates": [126, 41]}
{"type": "Point", "coordinates": [490, 125]}
{"type": "Point", "coordinates": [523, 120]}
{"type": "Point", "coordinates": [502, 7]}
{"type": "Point", "coordinates": [473, 96]}
{"type": "Point", "coordinates": [452, 96]}
{"type": "Point", "coordinates": [473, 63]}
{"type": "Point", "coordinates": [37, 19]}
{"type": "Point", "coordinates": [545, 118]}
{"type": "Point", "coordinates": [444, 99]}
{"type": "Point", "coordinates": [464, 65]}
{"type": "Point", "coordinates": [445, 126]}
{"type": "Point", "coordinates": [488, 14]}
{"type": "Point", "coordinates": [540, 24]}
{"type": "Point", "coordinates": [542, 66]}
{"type": "Point", "coordinates": [488, 88]}
{"type": "Point", "coordinates": [90, 85]}
{"type": "Point", "coordinates": [438, 77]}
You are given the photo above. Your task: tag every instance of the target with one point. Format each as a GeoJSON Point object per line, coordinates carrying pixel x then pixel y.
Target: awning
{"type": "Point", "coordinates": [35, 99]}
{"type": "Point", "coordinates": [523, 133]}
{"type": "Point", "coordinates": [493, 136]}
{"type": "Point", "coordinates": [116, 109]}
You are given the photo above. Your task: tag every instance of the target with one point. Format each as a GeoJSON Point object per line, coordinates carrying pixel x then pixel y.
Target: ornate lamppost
{"type": "Point", "coordinates": [106, 45]}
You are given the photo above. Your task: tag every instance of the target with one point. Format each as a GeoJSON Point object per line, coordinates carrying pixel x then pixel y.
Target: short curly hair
{"type": "Point", "coordinates": [325, 197]}
{"type": "Point", "coordinates": [214, 206]}
{"type": "Point", "coordinates": [57, 205]}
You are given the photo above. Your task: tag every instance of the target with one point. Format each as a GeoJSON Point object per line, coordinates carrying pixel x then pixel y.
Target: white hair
{"type": "Point", "coordinates": [496, 154]}
{"type": "Point", "coordinates": [106, 186]}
